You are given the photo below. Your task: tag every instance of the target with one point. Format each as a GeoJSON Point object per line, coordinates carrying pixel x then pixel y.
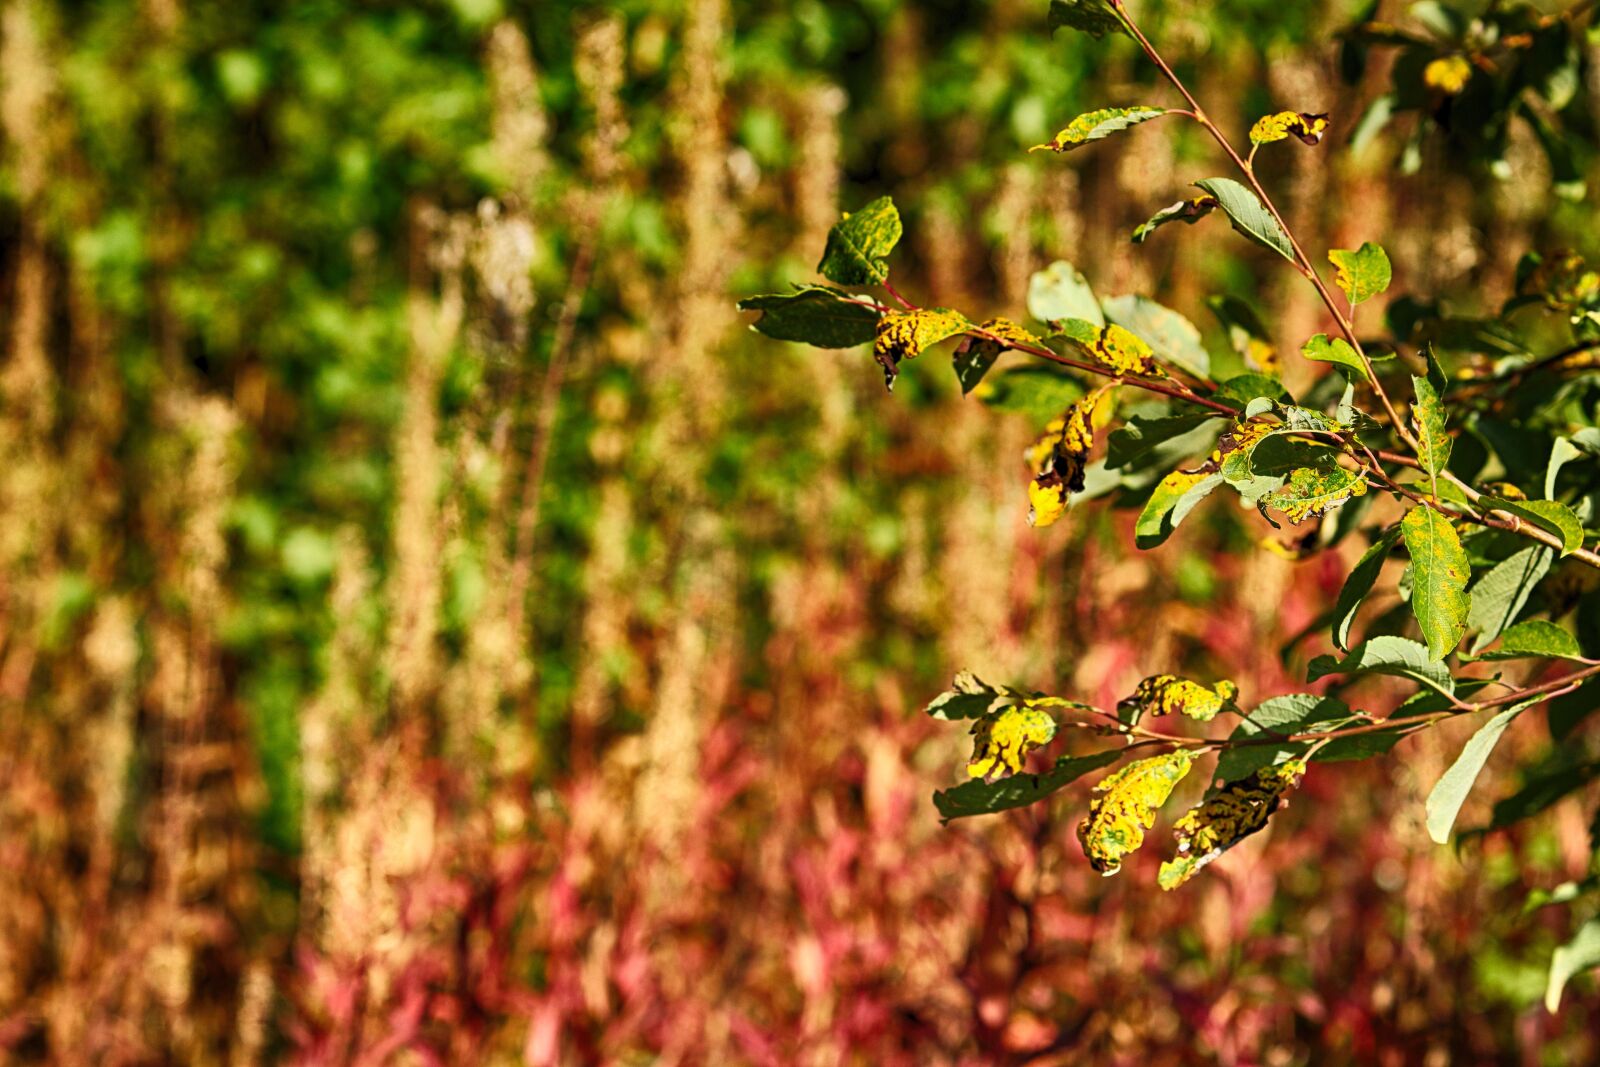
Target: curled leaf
{"type": "Point", "coordinates": [1001, 740]}
{"type": "Point", "coordinates": [904, 334]}
{"type": "Point", "coordinates": [1094, 17]}
{"type": "Point", "coordinates": [1095, 125]}
{"type": "Point", "coordinates": [1227, 817]}
{"type": "Point", "coordinates": [1167, 694]}
{"type": "Point", "coordinates": [1127, 807]}
{"type": "Point", "coordinates": [1269, 128]}
{"type": "Point", "coordinates": [1059, 457]}
{"type": "Point", "coordinates": [1190, 211]}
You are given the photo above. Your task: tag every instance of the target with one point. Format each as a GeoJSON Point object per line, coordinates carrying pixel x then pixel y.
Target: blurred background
{"type": "Point", "coordinates": [435, 630]}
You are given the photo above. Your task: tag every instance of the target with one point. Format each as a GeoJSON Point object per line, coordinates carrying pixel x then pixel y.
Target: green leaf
{"type": "Point", "coordinates": [816, 315]}
{"type": "Point", "coordinates": [1141, 436]}
{"type": "Point", "coordinates": [978, 797]}
{"type": "Point", "coordinates": [1358, 746]}
{"type": "Point", "coordinates": [1562, 452]}
{"type": "Point", "coordinates": [1188, 211]}
{"type": "Point", "coordinates": [1094, 17]}
{"type": "Point", "coordinates": [1439, 571]}
{"type": "Point", "coordinates": [1098, 125]}
{"type": "Point", "coordinates": [1536, 637]}
{"type": "Point", "coordinates": [1060, 292]}
{"type": "Point", "coordinates": [1356, 587]}
{"type": "Point", "coordinates": [1399, 656]}
{"type": "Point", "coordinates": [1337, 350]}
{"type": "Point", "coordinates": [975, 355]}
{"type": "Point", "coordinates": [1433, 440]}
{"type": "Point", "coordinates": [1580, 954]}
{"type": "Point", "coordinates": [1174, 339]}
{"type": "Point", "coordinates": [970, 697]}
{"type": "Point", "coordinates": [1176, 495]}
{"type": "Point", "coordinates": [1039, 392]}
{"type": "Point", "coordinates": [1248, 215]}
{"type": "Point", "coordinates": [1444, 802]}
{"type": "Point", "coordinates": [1552, 516]}
{"type": "Point", "coordinates": [1362, 273]}
{"type": "Point", "coordinates": [859, 244]}
{"type": "Point", "coordinates": [1310, 492]}
{"type": "Point", "coordinates": [1246, 332]}
{"type": "Point", "coordinates": [1499, 595]}
{"type": "Point", "coordinates": [1291, 714]}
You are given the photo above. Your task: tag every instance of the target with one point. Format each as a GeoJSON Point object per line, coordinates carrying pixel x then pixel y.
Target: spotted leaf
{"type": "Point", "coordinates": [1059, 457]}
{"type": "Point", "coordinates": [859, 244]}
{"type": "Point", "coordinates": [1096, 125]}
{"type": "Point", "coordinates": [1363, 272]}
{"type": "Point", "coordinates": [1190, 211]}
{"type": "Point", "coordinates": [1227, 817]}
{"type": "Point", "coordinates": [1127, 807]}
{"type": "Point", "coordinates": [1001, 740]}
{"type": "Point", "coordinates": [1269, 128]}
{"type": "Point", "coordinates": [1167, 694]}
{"type": "Point", "coordinates": [903, 335]}
{"type": "Point", "coordinates": [1311, 491]}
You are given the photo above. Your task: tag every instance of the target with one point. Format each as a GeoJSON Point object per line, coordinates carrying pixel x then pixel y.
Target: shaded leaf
{"type": "Point", "coordinates": [1037, 391]}
{"type": "Point", "coordinates": [815, 315]}
{"type": "Point", "coordinates": [1363, 273]}
{"type": "Point", "coordinates": [1580, 954]}
{"type": "Point", "coordinates": [1060, 292]}
{"type": "Point", "coordinates": [975, 355]}
{"type": "Point", "coordinates": [1248, 215]}
{"type": "Point", "coordinates": [1398, 656]}
{"type": "Point", "coordinates": [1337, 350]}
{"type": "Point", "coordinates": [1360, 582]}
{"type": "Point", "coordinates": [1499, 595]}
{"type": "Point", "coordinates": [1019, 790]}
{"type": "Point", "coordinates": [1450, 792]}
{"type": "Point", "coordinates": [1127, 807]}
{"type": "Point", "coordinates": [1094, 17]}
{"type": "Point", "coordinates": [859, 244]}
{"type": "Point", "coordinates": [970, 697]}
{"type": "Point", "coordinates": [1568, 710]}
{"type": "Point", "coordinates": [1246, 332]}
{"type": "Point", "coordinates": [1096, 125]}
{"type": "Point", "coordinates": [1439, 574]}
{"type": "Point", "coordinates": [1290, 714]}
{"type": "Point", "coordinates": [1139, 438]}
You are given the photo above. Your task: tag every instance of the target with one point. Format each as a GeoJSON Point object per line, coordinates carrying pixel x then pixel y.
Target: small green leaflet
{"type": "Point", "coordinates": [1552, 516]}
{"type": "Point", "coordinates": [1097, 125]}
{"type": "Point", "coordinates": [1174, 339]}
{"type": "Point", "coordinates": [1061, 292]}
{"type": "Point", "coordinates": [1498, 596]}
{"type": "Point", "coordinates": [1312, 491]}
{"type": "Point", "coordinates": [1433, 440]}
{"type": "Point", "coordinates": [1580, 954]}
{"type": "Point", "coordinates": [1386, 655]}
{"type": "Point", "coordinates": [970, 697]}
{"type": "Point", "coordinates": [815, 315]}
{"type": "Point", "coordinates": [1338, 351]}
{"type": "Point", "coordinates": [1094, 17]}
{"type": "Point", "coordinates": [1439, 570]}
{"type": "Point", "coordinates": [1444, 802]}
{"type": "Point", "coordinates": [1176, 495]}
{"type": "Point", "coordinates": [1536, 638]}
{"type": "Point", "coordinates": [1356, 587]}
{"type": "Point", "coordinates": [859, 243]}
{"type": "Point", "coordinates": [1362, 273]}
{"type": "Point", "coordinates": [978, 797]}
{"type": "Point", "coordinates": [1190, 211]}
{"type": "Point", "coordinates": [1248, 215]}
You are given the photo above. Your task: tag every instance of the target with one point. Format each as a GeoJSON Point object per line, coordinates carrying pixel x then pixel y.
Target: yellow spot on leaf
{"type": "Point", "coordinates": [1448, 74]}
{"type": "Point", "coordinates": [1059, 457]}
{"type": "Point", "coordinates": [1118, 819]}
{"type": "Point", "coordinates": [1167, 694]}
{"type": "Point", "coordinates": [1269, 128]}
{"type": "Point", "coordinates": [904, 334]}
{"type": "Point", "coordinates": [1227, 817]}
{"type": "Point", "coordinates": [1003, 739]}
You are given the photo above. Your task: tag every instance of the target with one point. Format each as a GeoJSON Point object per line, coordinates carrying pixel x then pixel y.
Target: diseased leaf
{"type": "Point", "coordinates": [1096, 125]}
{"type": "Point", "coordinates": [1167, 694]}
{"type": "Point", "coordinates": [1001, 740]}
{"type": "Point", "coordinates": [1336, 350]}
{"type": "Point", "coordinates": [1308, 128]}
{"type": "Point", "coordinates": [1551, 516]}
{"type": "Point", "coordinates": [1448, 74]}
{"type": "Point", "coordinates": [815, 315]}
{"type": "Point", "coordinates": [1539, 638]}
{"type": "Point", "coordinates": [902, 335]}
{"type": "Point", "coordinates": [1248, 215]}
{"type": "Point", "coordinates": [1356, 587]}
{"type": "Point", "coordinates": [1444, 802]}
{"type": "Point", "coordinates": [1176, 495]}
{"type": "Point", "coordinates": [1580, 954]}
{"type": "Point", "coordinates": [1019, 790]}
{"type": "Point", "coordinates": [1094, 17]}
{"type": "Point", "coordinates": [1242, 389]}
{"type": "Point", "coordinates": [1363, 273]}
{"type": "Point", "coordinates": [1188, 211]}
{"type": "Point", "coordinates": [1439, 573]}
{"type": "Point", "coordinates": [1127, 807]}
{"type": "Point", "coordinates": [1227, 817]}
{"type": "Point", "coordinates": [1060, 292]}
{"type": "Point", "coordinates": [1433, 440]}
{"type": "Point", "coordinates": [1059, 457]}
{"type": "Point", "coordinates": [1498, 597]}
{"type": "Point", "coordinates": [859, 244]}
{"type": "Point", "coordinates": [1312, 491]}
{"type": "Point", "coordinates": [975, 355]}
{"type": "Point", "coordinates": [1399, 656]}
{"type": "Point", "coordinates": [1174, 339]}
{"type": "Point", "coordinates": [1292, 713]}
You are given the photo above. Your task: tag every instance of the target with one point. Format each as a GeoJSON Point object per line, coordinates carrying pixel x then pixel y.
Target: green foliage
{"type": "Point", "coordinates": [1439, 579]}
{"type": "Point", "coordinates": [1248, 215]}
{"type": "Point", "coordinates": [1363, 273]}
{"type": "Point", "coordinates": [1447, 796]}
{"type": "Point", "coordinates": [1094, 17]}
{"type": "Point", "coordinates": [1189, 211]}
{"type": "Point", "coordinates": [1336, 351]}
{"type": "Point", "coordinates": [814, 315]}
{"type": "Point", "coordinates": [1019, 790]}
{"type": "Point", "coordinates": [1097, 125]}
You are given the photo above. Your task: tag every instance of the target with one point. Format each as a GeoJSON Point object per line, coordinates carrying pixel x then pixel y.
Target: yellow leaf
{"type": "Point", "coordinates": [1269, 128]}
{"type": "Point", "coordinates": [1448, 74]}
{"type": "Point", "coordinates": [1227, 817]}
{"type": "Point", "coordinates": [1003, 739]}
{"type": "Point", "coordinates": [1118, 819]}
{"type": "Point", "coordinates": [904, 334]}
{"type": "Point", "coordinates": [1059, 457]}
{"type": "Point", "coordinates": [1167, 694]}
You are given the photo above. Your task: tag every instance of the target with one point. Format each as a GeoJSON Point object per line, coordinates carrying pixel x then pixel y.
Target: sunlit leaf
{"type": "Point", "coordinates": [1399, 656]}
{"type": "Point", "coordinates": [1439, 574]}
{"type": "Point", "coordinates": [1284, 716]}
{"type": "Point", "coordinates": [1127, 807]}
{"type": "Point", "coordinates": [1060, 456]}
{"type": "Point", "coordinates": [1552, 516]}
{"type": "Point", "coordinates": [1447, 796]}
{"type": "Point", "coordinates": [970, 697]}
{"type": "Point", "coordinates": [1448, 74]}
{"type": "Point", "coordinates": [1363, 273]}
{"type": "Point", "coordinates": [859, 244]}
{"type": "Point", "coordinates": [1537, 638]}
{"type": "Point", "coordinates": [1190, 211]}
{"type": "Point", "coordinates": [1001, 740]}
{"type": "Point", "coordinates": [1227, 817]}
{"type": "Point", "coordinates": [1312, 491]}
{"type": "Point", "coordinates": [1433, 439]}
{"type": "Point", "coordinates": [1580, 954]}
{"type": "Point", "coordinates": [976, 354]}
{"type": "Point", "coordinates": [1498, 597]}
{"type": "Point", "coordinates": [1174, 339]}
{"type": "Point", "coordinates": [1175, 496]}
{"type": "Point", "coordinates": [902, 335]}
{"type": "Point", "coordinates": [1096, 125]}
{"type": "Point", "coordinates": [1335, 350]}
{"type": "Point", "coordinates": [1167, 694]}
{"type": "Point", "coordinates": [815, 315]}
{"type": "Point", "coordinates": [1308, 128]}
{"type": "Point", "coordinates": [1248, 215]}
